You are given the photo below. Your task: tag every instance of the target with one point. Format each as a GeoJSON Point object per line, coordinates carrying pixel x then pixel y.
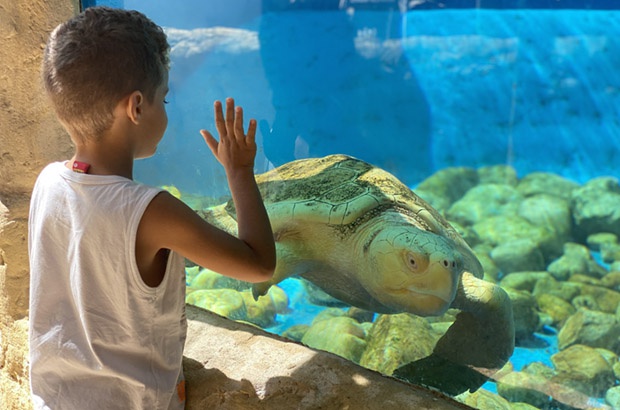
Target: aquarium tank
{"type": "Point", "coordinates": [441, 175]}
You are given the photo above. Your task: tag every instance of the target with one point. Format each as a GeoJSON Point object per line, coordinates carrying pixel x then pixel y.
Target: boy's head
{"type": "Point", "coordinates": [97, 58]}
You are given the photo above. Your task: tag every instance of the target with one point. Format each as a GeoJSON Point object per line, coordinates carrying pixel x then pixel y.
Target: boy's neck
{"type": "Point", "coordinates": [103, 160]}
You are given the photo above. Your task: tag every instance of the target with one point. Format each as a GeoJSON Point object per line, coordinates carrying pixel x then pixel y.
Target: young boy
{"type": "Point", "coordinates": [107, 295]}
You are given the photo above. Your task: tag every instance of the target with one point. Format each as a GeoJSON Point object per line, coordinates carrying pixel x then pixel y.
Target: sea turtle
{"type": "Point", "coordinates": [359, 234]}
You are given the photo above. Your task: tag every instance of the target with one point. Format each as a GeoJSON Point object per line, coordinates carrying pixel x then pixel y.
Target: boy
{"type": "Point", "coordinates": [107, 295]}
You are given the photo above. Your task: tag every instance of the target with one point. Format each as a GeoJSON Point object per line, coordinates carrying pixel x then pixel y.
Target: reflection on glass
{"type": "Point", "coordinates": [504, 123]}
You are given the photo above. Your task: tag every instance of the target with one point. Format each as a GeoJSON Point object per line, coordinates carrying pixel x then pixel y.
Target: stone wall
{"type": "Point", "coordinates": [30, 137]}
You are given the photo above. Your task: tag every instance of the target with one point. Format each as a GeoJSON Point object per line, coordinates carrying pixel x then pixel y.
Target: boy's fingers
{"type": "Point", "coordinates": [210, 140]}
{"type": "Point", "coordinates": [220, 124]}
{"type": "Point", "coordinates": [239, 124]}
{"type": "Point", "coordinates": [251, 131]}
{"type": "Point", "coordinates": [230, 115]}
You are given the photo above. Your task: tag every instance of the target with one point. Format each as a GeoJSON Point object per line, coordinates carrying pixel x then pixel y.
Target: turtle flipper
{"type": "Point", "coordinates": [476, 346]}
{"type": "Point", "coordinates": [261, 289]}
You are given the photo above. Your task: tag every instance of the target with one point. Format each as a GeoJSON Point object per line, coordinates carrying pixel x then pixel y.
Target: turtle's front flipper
{"type": "Point", "coordinates": [475, 347]}
{"type": "Point", "coordinates": [261, 289]}
{"type": "Point", "coordinates": [285, 267]}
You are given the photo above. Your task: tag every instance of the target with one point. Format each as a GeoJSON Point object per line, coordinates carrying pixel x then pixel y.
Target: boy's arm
{"type": "Point", "coordinates": [170, 224]}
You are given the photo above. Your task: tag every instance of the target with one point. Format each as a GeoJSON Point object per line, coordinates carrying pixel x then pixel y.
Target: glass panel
{"type": "Point", "coordinates": [503, 115]}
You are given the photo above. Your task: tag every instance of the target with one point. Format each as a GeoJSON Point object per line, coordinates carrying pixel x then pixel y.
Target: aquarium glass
{"type": "Point", "coordinates": [501, 115]}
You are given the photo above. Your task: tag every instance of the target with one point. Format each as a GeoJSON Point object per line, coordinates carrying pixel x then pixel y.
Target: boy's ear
{"type": "Point", "coordinates": [135, 105]}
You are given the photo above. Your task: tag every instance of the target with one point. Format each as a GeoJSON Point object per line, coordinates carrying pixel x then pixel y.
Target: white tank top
{"type": "Point", "coordinates": [100, 338]}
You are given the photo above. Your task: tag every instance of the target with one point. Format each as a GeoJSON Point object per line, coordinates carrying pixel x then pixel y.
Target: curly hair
{"type": "Point", "coordinates": [94, 60]}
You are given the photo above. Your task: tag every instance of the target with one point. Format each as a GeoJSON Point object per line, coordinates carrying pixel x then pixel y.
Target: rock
{"type": "Point", "coordinates": [296, 332]}
{"type": "Point", "coordinates": [342, 335]}
{"type": "Point", "coordinates": [576, 259]}
{"type": "Point", "coordinates": [449, 184]}
{"type": "Point", "coordinates": [584, 369]}
{"type": "Point", "coordinates": [564, 290]}
{"type": "Point", "coordinates": [262, 312]}
{"type": "Point", "coordinates": [606, 300]}
{"type": "Point", "coordinates": [597, 240]}
{"type": "Point", "coordinates": [523, 387]}
{"type": "Point", "coordinates": [611, 280]}
{"type": "Point", "coordinates": [483, 201]}
{"type": "Point", "coordinates": [610, 253]}
{"type": "Point", "coordinates": [546, 183]}
{"type": "Point", "coordinates": [609, 356]}
{"type": "Point", "coordinates": [526, 320]}
{"type": "Point", "coordinates": [558, 309]}
{"type": "Point", "coordinates": [596, 207]}
{"type": "Point", "coordinates": [539, 369]}
{"type": "Point", "coordinates": [612, 397]}
{"type": "Point", "coordinates": [585, 302]}
{"type": "Point", "coordinates": [518, 255]}
{"type": "Point", "coordinates": [484, 400]}
{"type": "Point", "coordinates": [551, 213]}
{"type": "Point", "coordinates": [590, 328]}
{"type": "Point", "coordinates": [498, 174]}
{"type": "Point", "coordinates": [497, 230]}
{"type": "Point", "coordinates": [616, 369]}
{"type": "Point", "coordinates": [524, 280]}
{"type": "Point", "coordinates": [491, 271]}
{"type": "Point", "coordinates": [361, 315]}
{"type": "Point", "coordinates": [241, 306]}
{"type": "Point", "coordinates": [522, 406]}
{"type": "Point", "coordinates": [190, 273]}
{"type": "Point", "coordinates": [468, 234]}
{"type": "Point", "coordinates": [207, 279]}
{"type": "Point", "coordinates": [224, 302]}
{"type": "Point", "coordinates": [395, 340]}
{"type": "Point", "coordinates": [586, 280]}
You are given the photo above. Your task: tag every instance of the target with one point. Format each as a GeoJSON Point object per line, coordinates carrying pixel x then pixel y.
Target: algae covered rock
{"type": "Point", "coordinates": [524, 387]}
{"type": "Point", "coordinates": [225, 302]}
{"type": "Point", "coordinates": [576, 259]}
{"type": "Point", "coordinates": [591, 328]}
{"type": "Point", "coordinates": [497, 230]}
{"type": "Point", "coordinates": [584, 369]}
{"type": "Point", "coordinates": [262, 312]}
{"type": "Point", "coordinates": [498, 174]}
{"type": "Point", "coordinates": [556, 308]}
{"type": "Point", "coordinates": [236, 305]}
{"type": "Point", "coordinates": [208, 279]}
{"type": "Point", "coordinates": [607, 244]}
{"type": "Point", "coordinates": [483, 201]}
{"type": "Point", "coordinates": [525, 280]}
{"type": "Point", "coordinates": [296, 332]}
{"type": "Point", "coordinates": [341, 335]}
{"type": "Point", "coordinates": [518, 255]}
{"type": "Point", "coordinates": [611, 280]}
{"type": "Point", "coordinates": [546, 183]}
{"type": "Point", "coordinates": [596, 207]}
{"type": "Point", "coordinates": [395, 340]}
{"type": "Point", "coordinates": [564, 290]}
{"type": "Point", "coordinates": [612, 396]}
{"type": "Point", "coordinates": [549, 212]}
{"type": "Point", "coordinates": [447, 185]}
{"type": "Point", "coordinates": [484, 400]}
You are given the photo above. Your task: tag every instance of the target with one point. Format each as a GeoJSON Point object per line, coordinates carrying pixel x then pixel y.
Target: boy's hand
{"type": "Point", "coordinates": [235, 149]}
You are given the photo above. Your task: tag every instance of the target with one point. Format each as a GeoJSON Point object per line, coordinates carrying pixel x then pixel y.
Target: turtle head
{"type": "Point", "coordinates": [415, 271]}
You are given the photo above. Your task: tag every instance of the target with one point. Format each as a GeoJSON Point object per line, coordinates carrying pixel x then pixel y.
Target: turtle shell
{"type": "Point", "coordinates": [343, 191]}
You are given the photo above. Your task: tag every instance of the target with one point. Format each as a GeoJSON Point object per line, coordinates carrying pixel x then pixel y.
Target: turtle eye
{"type": "Point", "coordinates": [411, 261]}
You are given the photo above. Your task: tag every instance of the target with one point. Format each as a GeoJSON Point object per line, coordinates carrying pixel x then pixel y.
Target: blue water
{"type": "Point", "coordinates": [412, 93]}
